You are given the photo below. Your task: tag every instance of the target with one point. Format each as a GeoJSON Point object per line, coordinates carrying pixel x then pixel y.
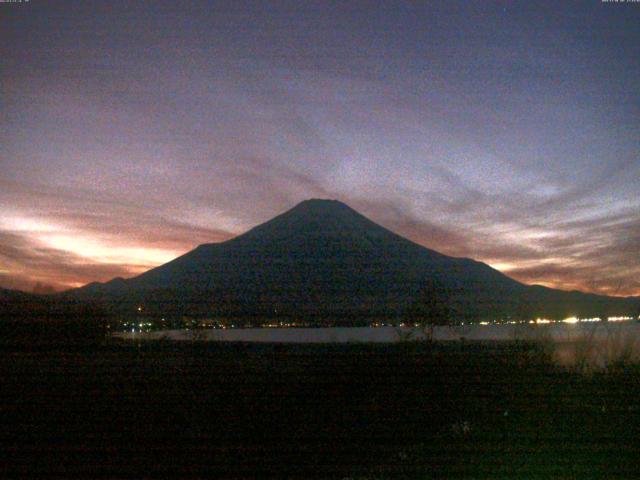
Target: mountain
{"type": "Point", "coordinates": [23, 306]}
{"type": "Point", "coordinates": [12, 302]}
{"type": "Point", "coordinates": [324, 261]}
{"type": "Point", "coordinates": [28, 320]}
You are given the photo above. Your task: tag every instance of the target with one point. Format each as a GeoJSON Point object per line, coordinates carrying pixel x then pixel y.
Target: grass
{"type": "Point", "coordinates": [411, 410]}
{"type": "Point", "coordinates": [597, 347]}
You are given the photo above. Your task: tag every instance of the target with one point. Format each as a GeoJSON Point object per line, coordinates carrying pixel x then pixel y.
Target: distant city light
{"type": "Point", "coordinates": [571, 320]}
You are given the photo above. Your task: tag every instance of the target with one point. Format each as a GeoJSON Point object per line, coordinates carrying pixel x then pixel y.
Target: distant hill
{"type": "Point", "coordinates": [322, 260]}
{"type": "Point", "coordinates": [28, 320]}
{"type": "Point", "coordinates": [15, 303]}
{"type": "Point", "coordinates": [21, 306]}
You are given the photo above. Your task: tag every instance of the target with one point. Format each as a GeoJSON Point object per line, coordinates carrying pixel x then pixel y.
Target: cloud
{"type": "Point", "coordinates": [574, 248]}
{"type": "Point", "coordinates": [70, 237]}
{"type": "Point", "coordinates": [27, 262]}
{"type": "Point", "coordinates": [40, 218]}
{"type": "Point", "coordinates": [597, 254]}
{"type": "Point", "coordinates": [156, 157]}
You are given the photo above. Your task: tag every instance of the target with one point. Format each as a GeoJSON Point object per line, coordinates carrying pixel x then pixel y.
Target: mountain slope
{"type": "Point", "coordinates": [324, 260]}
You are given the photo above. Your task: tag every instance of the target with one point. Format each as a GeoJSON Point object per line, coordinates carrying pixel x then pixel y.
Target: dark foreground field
{"type": "Point", "coordinates": [359, 411]}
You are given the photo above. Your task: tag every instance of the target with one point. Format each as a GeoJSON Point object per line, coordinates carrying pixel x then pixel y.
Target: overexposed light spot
{"type": "Point", "coordinates": [543, 320]}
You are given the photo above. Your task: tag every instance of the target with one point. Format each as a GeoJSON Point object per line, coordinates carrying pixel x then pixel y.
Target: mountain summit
{"type": "Point", "coordinates": [317, 218]}
{"type": "Point", "coordinates": [325, 261]}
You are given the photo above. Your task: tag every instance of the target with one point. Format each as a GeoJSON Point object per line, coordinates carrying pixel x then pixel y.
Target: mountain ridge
{"type": "Point", "coordinates": [323, 259]}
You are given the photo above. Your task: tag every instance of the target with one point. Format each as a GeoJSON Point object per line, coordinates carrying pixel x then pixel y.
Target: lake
{"type": "Point", "coordinates": [595, 343]}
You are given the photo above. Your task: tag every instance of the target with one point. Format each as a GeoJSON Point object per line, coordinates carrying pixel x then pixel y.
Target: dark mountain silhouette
{"type": "Point", "coordinates": [15, 302]}
{"type": "Point", "coordinates": [324, 261]}
{"type": "Point", "coordinates": [29, 320]}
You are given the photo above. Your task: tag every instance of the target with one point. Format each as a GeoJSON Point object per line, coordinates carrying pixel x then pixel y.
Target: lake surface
{"type": "Point", "coordinates": [559, 332]}
{"type": "Point", "coordinates": [595, 343]}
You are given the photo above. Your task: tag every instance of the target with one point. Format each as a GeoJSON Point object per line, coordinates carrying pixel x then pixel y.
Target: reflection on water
{"type": "Point", "coordinates": [581, 343]}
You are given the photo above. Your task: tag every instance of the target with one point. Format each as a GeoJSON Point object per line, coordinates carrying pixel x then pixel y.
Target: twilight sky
{"type": "Point", "coordinates": [132, 131]}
